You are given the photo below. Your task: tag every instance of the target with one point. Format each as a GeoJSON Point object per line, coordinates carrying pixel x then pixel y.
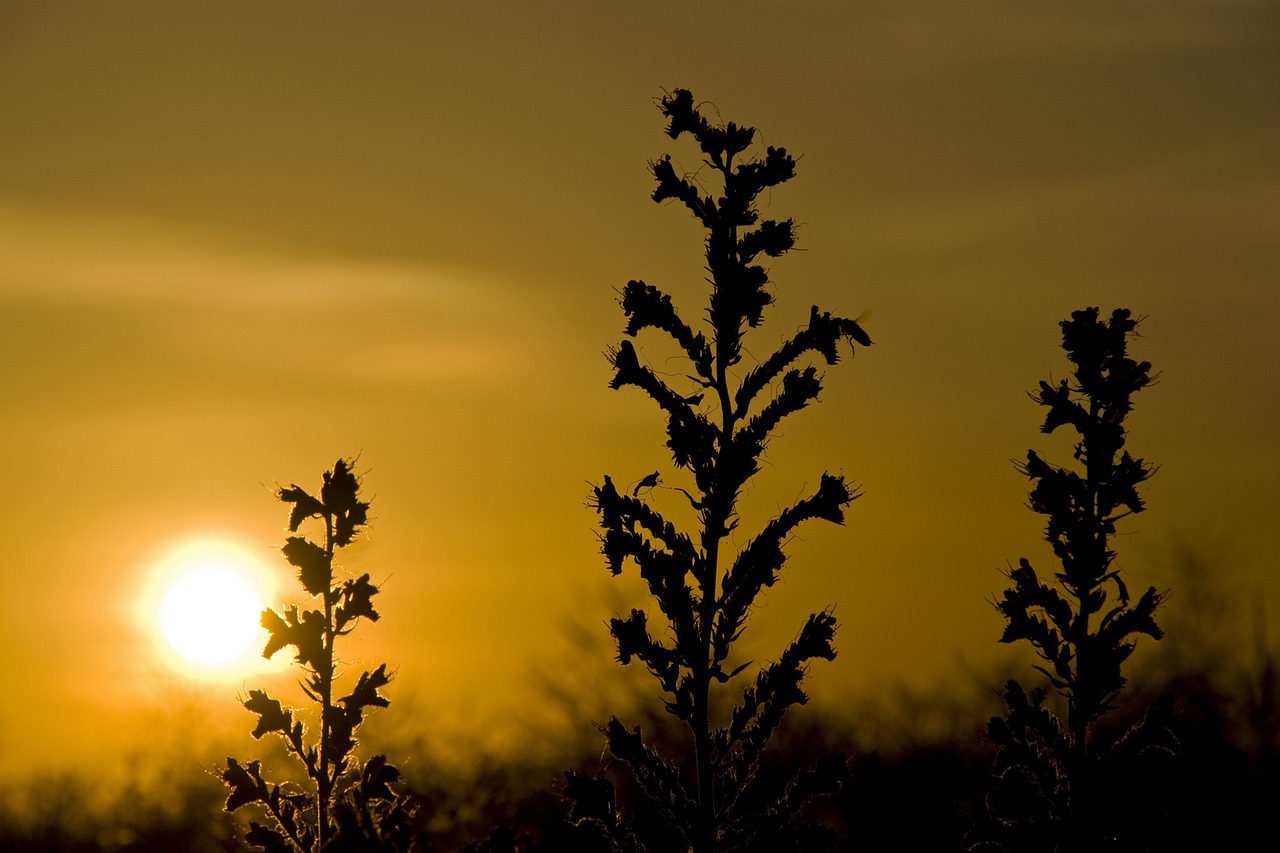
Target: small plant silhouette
{"type": "Point", "coordinates": [1052, 780]}
{"type": "Point", "coordinates": [717, 429]}
{"type": "Point", "coordinates": [344, 806]}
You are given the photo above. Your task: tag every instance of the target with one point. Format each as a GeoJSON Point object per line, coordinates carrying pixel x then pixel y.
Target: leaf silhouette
{"type": "Point", "coordinates": [304, 506]}
{"type": "Point", "coordinates": [312, 563]}
{"type": "Point", "coordinates": [246, 784]}
{"type": "Point", "coordinates": [306, 634]}
{"type": "Point", "coordinates": [356, 601]}
{"type": "Point", "coordinates": [272, 716]}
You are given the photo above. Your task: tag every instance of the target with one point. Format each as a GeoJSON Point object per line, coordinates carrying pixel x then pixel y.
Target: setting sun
{"type": "Point", "coordinates": [210, 615]}
{"type": "Point", "coordinates": [203, 606]}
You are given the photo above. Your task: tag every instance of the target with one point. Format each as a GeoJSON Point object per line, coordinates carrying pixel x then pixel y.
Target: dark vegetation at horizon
{"type": "Point", "coordinates": [900, 794]}
{"type": "Point", "coordinates": [1181, 754]}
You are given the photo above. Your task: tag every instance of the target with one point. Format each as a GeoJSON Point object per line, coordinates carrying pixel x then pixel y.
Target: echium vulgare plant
{"type": "Point", "coordinates": [1055, 787]}
{"type": "Point", "coordinates": [718, 427]}
{"type": "Point", "coordinates": [343, 806]}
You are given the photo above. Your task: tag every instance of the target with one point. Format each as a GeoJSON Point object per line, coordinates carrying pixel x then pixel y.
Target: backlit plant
{"type": "Point", "coordinates": [719, 423]}
{"type": "Point", "coordinates": [1056, 787]}
{"type": "Point", "coordinates": [343, 805]}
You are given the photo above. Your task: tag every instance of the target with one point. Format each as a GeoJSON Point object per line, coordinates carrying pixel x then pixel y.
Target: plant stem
{"type": "Point", "coordinates": [714, 522]}
{"type": "Point", "coordinates": [324, 784]}
{"type": "Point", "coordinates": [715, 525]}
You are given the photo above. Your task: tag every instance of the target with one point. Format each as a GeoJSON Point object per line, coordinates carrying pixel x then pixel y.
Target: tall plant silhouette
{"type": "Point", "coordinates": [718, 426]}
{"type": "Point", "coordinates": [1052, 779]}
{"type": "Point", "coordinates": [343, 805]}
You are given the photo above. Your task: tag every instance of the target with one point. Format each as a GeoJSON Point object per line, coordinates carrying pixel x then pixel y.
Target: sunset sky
{"type": "Point", "coordinates": [240, 240]}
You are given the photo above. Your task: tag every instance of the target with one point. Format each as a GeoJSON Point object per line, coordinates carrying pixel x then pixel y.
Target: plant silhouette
{"type": "Point", "coordinates": [344, 806]}
{"type": "Point", "coordinates": [718, 427]}
{"type": "Point", "coordinates": [1054, 783]}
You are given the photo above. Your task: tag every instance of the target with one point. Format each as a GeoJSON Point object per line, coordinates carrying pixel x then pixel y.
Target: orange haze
{"type": "Point", "coordinates": [240, 240]}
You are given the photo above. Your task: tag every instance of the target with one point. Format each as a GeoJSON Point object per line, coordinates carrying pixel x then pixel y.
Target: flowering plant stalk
{"type": "Point", "coordinates": [344, 805]}
{"type": "Point", "coordinates": [718, 426]}
{"type": "Point", "coordinates": [1054, 784]}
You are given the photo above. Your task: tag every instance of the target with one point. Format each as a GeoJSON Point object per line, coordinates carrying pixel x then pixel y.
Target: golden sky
{"type": "Point", "coordinates": [241, 239]}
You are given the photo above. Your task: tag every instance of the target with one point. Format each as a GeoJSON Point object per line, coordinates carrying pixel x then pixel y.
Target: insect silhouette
{"type": "Point", "coordinates": [648, 482]}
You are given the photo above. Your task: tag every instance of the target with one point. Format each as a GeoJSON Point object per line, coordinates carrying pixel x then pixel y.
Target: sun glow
{"type": "Point", "coordinates": [205, 607]}
{"type": "Point", "coordinates": [210, 615]}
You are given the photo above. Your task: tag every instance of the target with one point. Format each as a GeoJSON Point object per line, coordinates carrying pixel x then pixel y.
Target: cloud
{"type": "Point", "coordinates": [121, 260]}
{"type": "Point", "coordinates": [189, 297]}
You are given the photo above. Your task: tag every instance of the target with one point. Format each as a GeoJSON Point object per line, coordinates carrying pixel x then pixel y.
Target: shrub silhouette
{"type": "Point", "coordinates": [1054, 783]}
{"type": "Point", "coordinates": [718, 427]}
{"type": "Point", "coordinates": [344, 806]}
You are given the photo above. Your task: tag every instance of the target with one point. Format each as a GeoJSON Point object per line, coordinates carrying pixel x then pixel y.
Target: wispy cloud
{"type": "Point", "coordinates": [198, 298]}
